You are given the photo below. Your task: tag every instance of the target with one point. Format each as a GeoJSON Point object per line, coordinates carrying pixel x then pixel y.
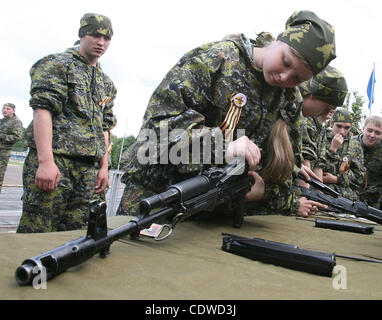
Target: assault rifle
{"type": "Point", "coordinates": [213, 187]}
{"type": "Point", "coordinates": [334, 199]}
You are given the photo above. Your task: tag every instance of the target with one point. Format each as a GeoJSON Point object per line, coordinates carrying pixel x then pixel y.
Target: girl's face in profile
{"type": "Point", "coordinates": [314, 107]}
{"type": "Point", "coordinates": [282, 68]}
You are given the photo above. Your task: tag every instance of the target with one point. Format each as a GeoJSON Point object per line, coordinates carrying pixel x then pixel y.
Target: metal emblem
{"type": "Point", "coordinates": [240, 100]}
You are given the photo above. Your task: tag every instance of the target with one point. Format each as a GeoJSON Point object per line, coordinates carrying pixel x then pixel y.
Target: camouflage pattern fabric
{"type": "Point", "coordinates": [11, 131]}
{"type": "Point", "coordinates": [10, 105]}
{"type": "Point", "coordinates": [64, 208]}
{"type": "Point", "coordinates": [329, 85]}
{"type": "Point", "coordinates": [342, 115]}
{"type": "Point", "coordinates": [92, 23]}
{"type": "Point", "coordinates": [313, 146]}
{"type": "Point", "coordinates": [349, 181]}
{"type": "Point", "coordinates": [278, 199]}
{"type": "Point", "coordinates": [4, 157]}
{"type": "Point", "coordinates": [264, 38]}
{"type": "Point", "coordinates": [312, 37]}
{"type": "Point", "coordinates": [80, 98]}
{"type": "Point", "coordinates": [373, 165]}
{"type": "Point", "coordinates": [196, 94]}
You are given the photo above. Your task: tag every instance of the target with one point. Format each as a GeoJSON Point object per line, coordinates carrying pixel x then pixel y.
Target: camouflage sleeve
{"type": "Point", "coordinates": [280, 198]}
{"type": "Point", "coordinates": [321, 150]}
{"type": "Point", "coordinates": [109, 120]}
{"type": "Point", "coordinates": [331, 159]}
{"type": "Point", "coordinates": [49, 87]}
{"type": "Point", "coordinates": [185, 96]}
{"type": "Point", "coordinates": [296, 131]}
{"type": "Point", "coordinates": [309, 147]}
{"type": "Point", "coordinates": [297, 143]}
{"type": "Point", "coordinates": [15, 133]}
{"type": "Point", "coordinates": [353, 177]}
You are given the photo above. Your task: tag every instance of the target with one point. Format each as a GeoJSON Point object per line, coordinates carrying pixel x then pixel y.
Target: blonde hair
{"type": "Point", "coordinates": [376, 120]}
{"type": "Point", "coordinates": [280, 158]}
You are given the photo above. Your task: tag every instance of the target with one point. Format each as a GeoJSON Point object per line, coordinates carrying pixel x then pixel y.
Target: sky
{"type": "Point", "coordinates": [150, 36]}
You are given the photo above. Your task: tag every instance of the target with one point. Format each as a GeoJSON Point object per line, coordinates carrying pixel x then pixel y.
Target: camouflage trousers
{"type": "Point", "coordinates": [4, 157]}
{"type": "Point", "coordinates": [64, 208]}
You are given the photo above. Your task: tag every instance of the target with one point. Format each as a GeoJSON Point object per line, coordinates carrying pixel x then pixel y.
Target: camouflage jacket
{"type": "Point", "coordinates": [373, 166]}
{"type": "Point", "coordinates": [196, 94]}
{"type": "Point", "coordinates": [80, 98]}
{"type": "Point", "coordinates": [11, 131]}
{"type": "Point", "coordinates": [350, 157]}
{"type": "Point", "coordinates": [313, 146]}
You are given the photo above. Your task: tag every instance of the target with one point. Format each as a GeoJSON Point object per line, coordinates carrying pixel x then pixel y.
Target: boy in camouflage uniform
{"type": "Point", "coordinates": [72, 99]}
{"type": "Point", "coordinates": [326, 91]}
{"type": "Point", "coordinates": [11, 131]}
{"type": "Point", "coordinates": [228, 77]}
{"type": "Point", "coordinates": [342, 166]}
{"type": "Point", "coordinates": [322, 94]}
{"type": "Point", "coordinates": [370, 138]}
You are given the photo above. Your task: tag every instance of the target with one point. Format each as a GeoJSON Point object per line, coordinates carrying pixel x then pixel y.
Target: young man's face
{"type": "Point", "coordinates": [8, 112]}
{"type": "Point", "coordinates": [372, 134]}
{"type": "Point", "coordinates": [282, 68]}
{"type": "Point", "coordinates": [313, 107]}
{"type": "Point", "coordinates": [342, 128]}
{"type": "Point", "coordinates": [93, 47]}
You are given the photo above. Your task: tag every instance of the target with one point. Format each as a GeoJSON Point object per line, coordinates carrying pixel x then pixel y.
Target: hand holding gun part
{"type": "Point", "coordinates": [333, 199]}
{"type": "Point", "coordinates": [211, 188]}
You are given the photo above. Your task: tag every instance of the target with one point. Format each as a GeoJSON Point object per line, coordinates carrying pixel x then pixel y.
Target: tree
{"type": "Point", "coordinates": [356, 100]}
{"type": "Point", "coordinates": [116, 150]}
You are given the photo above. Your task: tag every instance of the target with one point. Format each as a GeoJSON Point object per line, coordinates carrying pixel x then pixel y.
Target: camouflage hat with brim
{"type": "Point", "coordinates": [11, 105]}
{"type": "Point", "coordinates": [92, 23]}
{"type": "Point", "coordinates": [329, 85]}
{"type": "Point", "coordinates": [312, 37]}
{"type": "Point", "coordinates": [342, 115]}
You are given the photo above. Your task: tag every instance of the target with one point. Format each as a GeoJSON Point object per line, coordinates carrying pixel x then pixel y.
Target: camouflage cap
{"type": "Point", "coordinates": [92, 23]}
{"type": "Point", "coordinates": [11, 105]}
{"type": "Point", "coordinates": [329, 85]}
{"type": "Point", "coordinates": [264, 38]}
{"type": "Point", "coordinates": [355, 131]}
{"type": "Point", "coordinates": [312, 37]}
{"type": "Point", "coordinates": [342, 115]}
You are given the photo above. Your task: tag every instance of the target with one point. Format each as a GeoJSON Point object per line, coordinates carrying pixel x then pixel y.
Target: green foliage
{"type": "Point", "coordinates": [117, 144]}
{"type": "Point", "coordinates": [356, 108]}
